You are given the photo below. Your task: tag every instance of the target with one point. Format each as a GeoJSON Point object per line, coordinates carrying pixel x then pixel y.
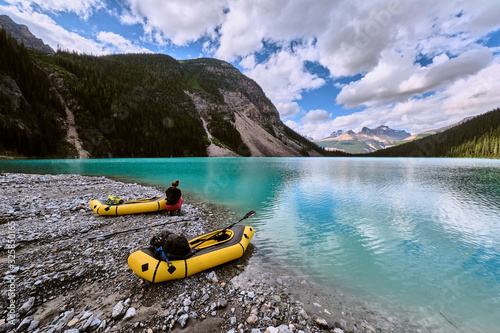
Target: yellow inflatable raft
{"type": "Point", "coordinates": [208, 253]}
{"type": "Point", "coordinates": [129, 207]}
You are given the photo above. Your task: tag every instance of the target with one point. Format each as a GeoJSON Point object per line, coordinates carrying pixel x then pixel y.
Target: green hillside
{"type": "Point", "coordinates": [34, 126]}
{"type": "Point", "coordinates": [126, 105]}
{"type": "Point", "coordinates": [352, 146]}
{"type": "Point", "coordinates": [419, 136]}
{"type": "Point", "coordinates": [478, 137]}
{"type": "Point", "coordinates": [139, 96]}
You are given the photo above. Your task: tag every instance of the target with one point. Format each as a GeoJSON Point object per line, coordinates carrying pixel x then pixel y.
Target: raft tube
{"type": "Point", "coordinates": [129, 207]}
{"type": "Point", "coordinates": [209, 254]}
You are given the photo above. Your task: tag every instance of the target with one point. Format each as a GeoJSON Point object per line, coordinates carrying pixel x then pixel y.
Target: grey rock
{"type": "Point", "coordinates": [87, 323]}
{"type": "Point", "coordinates": [321, 322]}
{"type": "Point", "coordinates": [183, 320]}
{"type": "Point", "coordinates": [66, 317]}
{"type": "Point", "coordinates": [7, 327]}
{"type": "Point", "coordinates": [86, 315]}
{"type": "Point", "coordinates": [96, 322]}
{"type": "Point", "coordinates": [27, 306]}
{"type": "Point", "coordinates": [24, 324]}
{"type": "Point", "coordinates": [33, 325]}
{"type": "Point", "coordinates": [303, 314]}
{"type": "Point", "coordinates": [129, 314]}
{"type": "Point", "coordinates": [15, 270]}
{"type": "Point", "coordinates": [252, 320]}
{"type": "Point", "coordinates": [119, 310]}
{"type": "Point", "coordinates": [284, 329]}
{"type": "Point", "coordinates": [222, 303]}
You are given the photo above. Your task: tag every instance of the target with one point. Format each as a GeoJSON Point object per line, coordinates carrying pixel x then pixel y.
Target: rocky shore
{"type": "Point", "coordinates": [57, 277]}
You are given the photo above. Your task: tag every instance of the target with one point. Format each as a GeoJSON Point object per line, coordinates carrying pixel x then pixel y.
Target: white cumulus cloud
{"type": "Point", "coordinates": [178, 21]}
{"type": "Point", "coordinates": [315, 117]}
{"type": "Point", "coordinates": [83, 8]}
{"type": "Point", "coordinates": [114, 43]}
{"type": "Point", "coordinates": [284, 78]}
{"type": "Point", "coordinates": [397, 77]}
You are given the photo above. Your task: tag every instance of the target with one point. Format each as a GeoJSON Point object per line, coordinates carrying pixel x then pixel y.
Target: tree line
{"type": "Point", "coordinates": [133, 105]}
{"type": "Point", "coordinates": [477, 137]}
{"type": "Point", "coordinates": [31, 123]}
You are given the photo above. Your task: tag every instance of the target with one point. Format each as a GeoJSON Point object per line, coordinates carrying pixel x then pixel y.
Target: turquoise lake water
{"type": "Point", "coordinates": [422, 235]}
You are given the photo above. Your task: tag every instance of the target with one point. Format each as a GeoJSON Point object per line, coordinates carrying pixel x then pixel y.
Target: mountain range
{"type": "Point", "coordinates": [23, 35]}
{"type": "Point", "coordinates": [477, 136]}
{"type": "Point", "coordinates": [69, 105]}
{"type": "Point", "coordinates": [365, 141]}
{"type": "Point", "coordinates": [64, 104]}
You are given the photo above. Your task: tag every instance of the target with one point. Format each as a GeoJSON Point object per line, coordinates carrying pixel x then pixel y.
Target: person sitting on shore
{"type": "Point", "coordinates": [174, 199]}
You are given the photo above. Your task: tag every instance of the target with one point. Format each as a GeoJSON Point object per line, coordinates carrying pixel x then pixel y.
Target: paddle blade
{"type": "Point", "coordinates": [249, 214]}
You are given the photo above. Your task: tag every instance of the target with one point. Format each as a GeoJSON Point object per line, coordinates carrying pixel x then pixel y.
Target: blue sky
{"type": "Point", "coordinates": [326, 65]}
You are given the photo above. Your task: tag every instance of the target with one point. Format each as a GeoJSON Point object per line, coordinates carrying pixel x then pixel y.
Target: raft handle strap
{"type": "Point", "coordinates": [171, 268]}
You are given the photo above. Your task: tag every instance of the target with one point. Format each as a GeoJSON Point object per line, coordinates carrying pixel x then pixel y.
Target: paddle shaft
{"type": "Point", "coordinates": [249, 214]}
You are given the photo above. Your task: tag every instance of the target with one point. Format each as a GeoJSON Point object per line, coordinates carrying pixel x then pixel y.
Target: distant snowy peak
{"type": "Point", "coordinates": [389, 133]}
{"type": "Point", "coordinates": [383, 132]}
{"type": "Point", "coordinates": [336, 134]}
{"type": "Point", "coordinates": [365, 141]}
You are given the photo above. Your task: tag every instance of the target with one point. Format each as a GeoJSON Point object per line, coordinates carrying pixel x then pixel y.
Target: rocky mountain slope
{"type": "Point", "coordinates": [132, 105]}
{"type": "Point", "coordinates": [477, 136]}
{"type": "Point", "coordinates": [367, 140]}
{"type": "Point", "coordinates": [23, 35]}
{"type": "Point", "coordinates": [431, 132]}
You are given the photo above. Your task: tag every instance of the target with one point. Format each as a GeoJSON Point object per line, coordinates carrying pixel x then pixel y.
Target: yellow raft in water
{"type": "Point", "coordinates": [227, 246]}
{"type": "Point", "coordinates": [129, 207]}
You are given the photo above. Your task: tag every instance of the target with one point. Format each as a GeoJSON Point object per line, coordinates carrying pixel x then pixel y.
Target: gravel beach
{"type": "Point", "coordinates": [56, 277]}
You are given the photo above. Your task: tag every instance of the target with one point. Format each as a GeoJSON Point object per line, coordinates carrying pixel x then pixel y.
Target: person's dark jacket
{"type": "Point", "coordinates": [173, 195]}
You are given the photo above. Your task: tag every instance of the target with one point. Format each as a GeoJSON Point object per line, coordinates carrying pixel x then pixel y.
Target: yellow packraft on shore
{"type": "Point", "coordinates": [209, 250]}
{"type": "Point", "coordinates": [129, 207]}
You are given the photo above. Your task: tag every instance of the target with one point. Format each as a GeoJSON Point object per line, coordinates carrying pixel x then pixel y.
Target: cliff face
{"type": "Point", "coordinates": [244, 105]}
{"type": "Point", "coordinates": [136, 105]}
{"type": "Point", "coordinates": [23, 35]}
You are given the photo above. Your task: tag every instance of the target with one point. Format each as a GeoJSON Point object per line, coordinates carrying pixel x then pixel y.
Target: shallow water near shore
{"type": "Point", "coordinates": [420, 235]}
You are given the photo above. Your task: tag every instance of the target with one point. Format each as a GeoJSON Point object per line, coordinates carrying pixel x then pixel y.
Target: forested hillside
{"type": "Point", "coordinates": [151, 105]}
{"type": "Point", "coordinates": [31, 115]}
{"type": "Point", "coordinates": [134, 105]}
{"type": "Point", "coordinates": [477, 137]}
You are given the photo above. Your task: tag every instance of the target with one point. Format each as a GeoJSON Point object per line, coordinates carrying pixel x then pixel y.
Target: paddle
{"type": "Point", "coordinates": [99, 237]}
{"type": "Point", "coordinates": [249, 214]}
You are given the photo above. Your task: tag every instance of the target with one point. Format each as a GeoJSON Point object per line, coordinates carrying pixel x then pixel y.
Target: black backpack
{"type": "Point", "coordinates": [174, 246]}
